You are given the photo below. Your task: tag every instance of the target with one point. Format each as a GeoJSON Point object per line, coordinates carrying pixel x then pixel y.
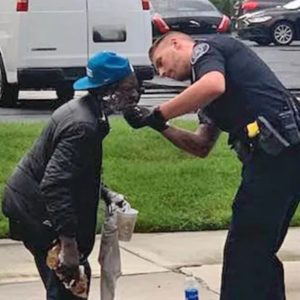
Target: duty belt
{"type": "Point", "coordinates": [262, 134]}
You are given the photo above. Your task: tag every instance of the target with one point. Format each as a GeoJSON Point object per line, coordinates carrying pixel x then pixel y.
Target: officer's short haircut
{"type": "Point", "coordinates": [166, 37]}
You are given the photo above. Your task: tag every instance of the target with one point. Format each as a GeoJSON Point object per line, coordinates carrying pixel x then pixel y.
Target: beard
{"type": "Point", "coordinates": [120, 101]}
{"type": "Point", "coordinates": [122, 95]}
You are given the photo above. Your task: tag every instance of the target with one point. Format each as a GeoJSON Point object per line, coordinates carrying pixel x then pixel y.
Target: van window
{"type": "Point", "coordinates": [109, 33]}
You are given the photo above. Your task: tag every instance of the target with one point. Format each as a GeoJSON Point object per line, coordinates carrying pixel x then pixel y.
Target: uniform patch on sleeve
{"type": "Point", "coordinates": [199, 50]}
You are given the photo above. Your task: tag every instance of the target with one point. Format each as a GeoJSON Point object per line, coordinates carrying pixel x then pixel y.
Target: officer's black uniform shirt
{"type": "Point", "coordinates": [251, 90]}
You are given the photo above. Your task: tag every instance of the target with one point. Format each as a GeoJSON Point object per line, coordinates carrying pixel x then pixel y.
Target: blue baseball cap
{"type": "Point", "coordinates": [104, 68]}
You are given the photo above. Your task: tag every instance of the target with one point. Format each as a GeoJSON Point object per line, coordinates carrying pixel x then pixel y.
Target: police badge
{"type": "Point", "coordinates": [198, 51]}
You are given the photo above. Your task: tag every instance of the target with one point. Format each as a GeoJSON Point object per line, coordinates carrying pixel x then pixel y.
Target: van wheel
{"type": "Point", "coordinates": [65, 93]}
{"type": "Point", "coordinates": [8, 92]}
{"type": "Point", "coordinates": [141, 87]}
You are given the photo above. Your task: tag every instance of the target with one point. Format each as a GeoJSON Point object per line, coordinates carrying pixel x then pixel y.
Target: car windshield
{"type": "Point", "coordinates": [292, 5]}
{"type": "Point", "coordinates": [165, 6]}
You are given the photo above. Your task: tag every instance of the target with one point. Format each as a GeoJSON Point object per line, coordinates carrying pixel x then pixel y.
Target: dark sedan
{"type": "Point", "coordinates": [249, 6]}
{"type": "Point", "coordinates": [241, 7]}
{"type": "Point", "coordinates": [189, 16]}
{"type": "Point", "coordinates": [279, 25]}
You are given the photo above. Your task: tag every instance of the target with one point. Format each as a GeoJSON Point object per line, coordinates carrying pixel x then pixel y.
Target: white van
{"type": "Point", "coordinates": [47, 43]}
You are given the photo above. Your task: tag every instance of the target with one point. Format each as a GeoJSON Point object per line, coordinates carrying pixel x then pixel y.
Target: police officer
{"type": "Point", "coordinates": [235, 91]}
{"type": "Point", "coordinates": [53, 193]}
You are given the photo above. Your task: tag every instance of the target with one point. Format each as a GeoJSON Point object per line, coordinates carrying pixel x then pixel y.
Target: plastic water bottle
{"type": "Point", "coordinates": [191, 288]}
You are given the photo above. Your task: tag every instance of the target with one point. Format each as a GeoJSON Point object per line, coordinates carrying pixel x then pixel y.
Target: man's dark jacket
{"type": "Point", "coordinates": [57, 182]}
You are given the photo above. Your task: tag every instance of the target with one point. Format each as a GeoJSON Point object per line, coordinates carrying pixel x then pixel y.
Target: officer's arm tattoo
{"type": "Point", "coordinates": [198, 143]}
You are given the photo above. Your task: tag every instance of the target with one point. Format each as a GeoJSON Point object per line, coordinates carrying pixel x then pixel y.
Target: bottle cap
{"type": "Point", "coordinates": [191, 294]}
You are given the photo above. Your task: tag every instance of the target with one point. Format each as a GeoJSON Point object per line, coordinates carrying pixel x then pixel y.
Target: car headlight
{"type": "Point", "coordinates": [259, 19]}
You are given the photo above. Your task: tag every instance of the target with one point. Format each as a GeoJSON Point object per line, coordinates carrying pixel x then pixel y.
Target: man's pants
{"type": "Point", "coordinates": [54, 288]}
{"type": "Point", "coordinates": [261, 212]}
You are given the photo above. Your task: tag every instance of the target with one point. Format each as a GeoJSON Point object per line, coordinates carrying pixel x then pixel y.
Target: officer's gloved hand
{"type": "Point", "coordinates": [138, 117]}
{"type": "Point", "coordinates": [68, 268]}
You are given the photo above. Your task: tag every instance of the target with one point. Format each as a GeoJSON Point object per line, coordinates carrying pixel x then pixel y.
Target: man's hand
{"type": "Point", "coordinates": [68, 267]}
{"type": "Point", "coordinates": [138, 117]}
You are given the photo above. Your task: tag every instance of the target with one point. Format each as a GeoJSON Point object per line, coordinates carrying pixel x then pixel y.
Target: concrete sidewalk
{"type": "Point", "coordinates": [153, 266]}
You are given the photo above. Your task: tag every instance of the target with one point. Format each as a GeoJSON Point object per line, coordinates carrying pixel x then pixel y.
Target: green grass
{"type": "Point", "coordinates": [15, 139]}
{"type": "Point", "coordinates": [172, 190]}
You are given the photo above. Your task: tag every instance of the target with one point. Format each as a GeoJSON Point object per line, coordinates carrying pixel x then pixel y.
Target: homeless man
{"type": "Point", "coordinates": [53, 193]}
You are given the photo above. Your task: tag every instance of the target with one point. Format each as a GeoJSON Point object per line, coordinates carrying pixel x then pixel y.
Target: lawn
{"type": "Point", "coordinates": [172, 190]}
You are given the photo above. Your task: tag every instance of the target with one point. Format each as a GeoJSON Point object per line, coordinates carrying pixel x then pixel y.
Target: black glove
{"type": "Point", "coordinates": [138, 117]}
{"type": "Point", "coordinates": [68, 268]}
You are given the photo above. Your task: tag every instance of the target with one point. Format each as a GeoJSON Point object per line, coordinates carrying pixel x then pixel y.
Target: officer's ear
{"type": "Point", "coordinates": [174, 42]}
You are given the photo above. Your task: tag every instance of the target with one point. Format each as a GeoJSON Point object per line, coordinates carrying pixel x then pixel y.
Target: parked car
{"type": "Point", "coordinates": [46, 44]}
{"type": "Point", "coordinates": [159, 26]}
{"type": "Point", "coordinates": [189, 16]}
{"type": "Point", "coordinates": [241, 7]}
{"type": "Point", "coordinates": [280, 25]}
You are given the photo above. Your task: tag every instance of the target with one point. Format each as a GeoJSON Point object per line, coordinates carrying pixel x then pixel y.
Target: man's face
{"type": "Point", "coordinates": [171, 60]}
{"type": "Point", "coordinates": [122, 95]}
